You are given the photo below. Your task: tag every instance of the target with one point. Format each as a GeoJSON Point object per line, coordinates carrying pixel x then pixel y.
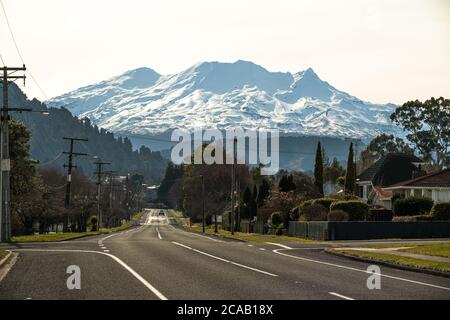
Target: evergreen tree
{"type": "Point", "coordinates": [264, 190]}
{"type": "Point", "coordinates": [253, 205]}
{"type": "Point", "coordinates": [318, 169]}
{"type": "Point", "coordinates": [350, 178]}
{"type": "Point", "coordinates": [246, 198]}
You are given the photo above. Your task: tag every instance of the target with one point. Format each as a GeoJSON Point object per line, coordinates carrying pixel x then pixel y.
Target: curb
{"type": "Point", "coordinates": [389, 264]}
{"type": "Point", "coordinates": [6, 259]}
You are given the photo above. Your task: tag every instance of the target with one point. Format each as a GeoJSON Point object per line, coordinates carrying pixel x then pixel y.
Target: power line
{"type": "Point", "coordinates": [18, 50]}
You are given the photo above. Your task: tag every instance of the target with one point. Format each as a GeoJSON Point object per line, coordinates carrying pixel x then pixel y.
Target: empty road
{"type": "Point", "coordinates": [157, 260]}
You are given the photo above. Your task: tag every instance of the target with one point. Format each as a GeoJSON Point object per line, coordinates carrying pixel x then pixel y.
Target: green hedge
{"type": "Point", "coordinates": [304, 204]}
{"type": "Point", "coordinates": [412, 206]}
{"type": "Point", "coordinates": [276, 219]}
{"type": "Point", "coordinates": [326, 202]}
{"type": "Point", "coordinates": [357, 210]}
{"type": "Point", "coordinates": [441, 211]}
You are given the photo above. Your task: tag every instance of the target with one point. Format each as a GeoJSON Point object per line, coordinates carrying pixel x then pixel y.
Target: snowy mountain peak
{"type": "Point", "coordinates": [225, 95]}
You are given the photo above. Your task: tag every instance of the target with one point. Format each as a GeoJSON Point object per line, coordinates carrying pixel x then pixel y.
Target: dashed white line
{"type": "Point", "coordinates": [123, 264]}
{"type": "Point", "coordinates": [262, 249]}
{"type": "Point", "coordinates": [340, 296]}
{"type": "Point", "coordinates": [159, 234]}
{"type": "Point", "coordinates": [225, 260]}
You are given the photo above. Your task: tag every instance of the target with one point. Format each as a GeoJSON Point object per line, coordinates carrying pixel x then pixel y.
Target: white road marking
{"type": "Point", "coordinates": [195, 234]}
{"type": "Point", "coordinates": [279, 245]}
{"type": "Point", "coordinates": [250, 245]}
{"type": "Point", "coordinates": [159, 234]}
{"type": "Point", "coordinates": [340, 296]}
{"type": "Point", "coordinates": [225, 260]}
{"type": "Point", "coordinates": [262, 249]}
{"type": "Point", "coordinates": [105, 250]}
{"type": "Point", "coordinates": [123, 264]}
{"type": "Point", "coordinates": [359, 270]}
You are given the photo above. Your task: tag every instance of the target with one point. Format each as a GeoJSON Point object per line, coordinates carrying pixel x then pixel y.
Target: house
{"type": "Point", "coordinates": [390, 169]}
{"type": "Point", "coordinates": [435, 186]}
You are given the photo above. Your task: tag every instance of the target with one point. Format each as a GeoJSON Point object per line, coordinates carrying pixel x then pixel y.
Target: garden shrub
{"type": "Point", "coordinates": [412, 206]}
{"type": "Point", "coordinates": [357, 210]}
{"type": "Point", "coordinates": [275, 219]}
{"type": "Point", "coordinates": [422, 217]}
{"type": "Point", "coordinates": [441, 211]}
{"type": "Point", "coordinates": [314, 212]}
{"type": "Point", "coordinates": [326, 202]}
{"type": "Point", "coordinates": [337, 215]}
{"type": "Point", "coordinates": [304, 204]}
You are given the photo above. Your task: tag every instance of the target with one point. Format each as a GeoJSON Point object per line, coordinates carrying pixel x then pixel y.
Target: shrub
{"type": "Point", "coordinates": [357, 210]}
{"type": "Point", "coordinates": [412, 206]}
{"type": "Point", "coordinates": [275, 219]}
{"type": "Point", "coordinates": [305, 204]}
{"type": "Point", "coordinates": [380, 215]}
{"type": "Point", "coordinates": [337, 215]}
{"type": "Point", "coordinates": [314, 212]}
{"type": "Point", "coordinates": [326, 202]}
{"type": "Point", "coordinates": [294, 214]}
{"type": "Point", "coordinates": [441, 211]}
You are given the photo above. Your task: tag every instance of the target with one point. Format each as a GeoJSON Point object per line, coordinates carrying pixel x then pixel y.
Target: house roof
{"type": "Point", "coordinates": [399, 165]}
{"type": "Point", "coordinates": [439, 179]}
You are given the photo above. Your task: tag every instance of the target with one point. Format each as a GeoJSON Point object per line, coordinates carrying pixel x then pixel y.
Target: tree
{"type": "Point", "coordinates": [318, 169]}
{"type": "Point", "coordinates": [350, 178]}
{"type": "Point", "coordinates": [428, 124]}
{"type": "Point", "coordinates": [246, 199]}
{"type": "Point", "coordinates": [382, 145]}
{"type": "Point", "coordinates": [333, 171]}
{"type": "Point", "coordinates": [264, 190]}
{"type": "Point", "coordinates": [286, 183]}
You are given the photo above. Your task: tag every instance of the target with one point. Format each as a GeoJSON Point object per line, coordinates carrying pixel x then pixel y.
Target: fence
{"type": "Point", "coordinates": [365, 230]}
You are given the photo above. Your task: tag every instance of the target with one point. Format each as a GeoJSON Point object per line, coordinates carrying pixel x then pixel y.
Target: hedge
{"type": "Point", "coordinates": [305, 204]}
{"type": "Point", "coordinates": [326, 202]}
{"type": "Point", "coordinates": [276, 219]}
{"type": "Point", "coordinates": [441, 211]}
{"type": "Point", "coordinates": [357, 210]}
{"type": "Point", "coordinates": [412, 206]}
{"type": "Point", "coordinates": [380, 215]}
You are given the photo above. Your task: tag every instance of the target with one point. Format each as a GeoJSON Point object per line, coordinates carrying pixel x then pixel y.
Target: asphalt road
{"type": "Point", "coordinates": [160, 261]}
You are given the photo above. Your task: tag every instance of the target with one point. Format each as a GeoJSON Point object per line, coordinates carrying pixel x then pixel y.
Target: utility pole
{"type": "Point", "coordinates": [203, 201]}
{"type": "Point", "coordinates": [69, 167]}
{"type": "Point", "coordinates": [233, 186]}
{"type": "Point", "coordinates": [99, 173]}
{"type": "Point", "coordinates": [5, 164]}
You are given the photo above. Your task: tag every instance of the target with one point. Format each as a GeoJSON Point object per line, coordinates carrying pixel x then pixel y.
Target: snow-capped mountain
{"type": "Point", "coordinates": [224, 95]}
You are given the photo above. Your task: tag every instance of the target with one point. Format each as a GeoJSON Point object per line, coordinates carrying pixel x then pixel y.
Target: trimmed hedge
{"type": "Point", "coordinates": [441, 211]}
{"type": "Point", "coordinates": [422, 217]}
{"type": "Point", "coordinates": [412, 206]}
{"type": "Point", "coordinates": [337, 215]}
{"type": "Point", "coordinates": [326, 202]}
{"type": "Point", "coordinates": [380, 215]}
{"type": "Point", "coordinates": [357, 210]}
{"type": "Point", "coordinates": [276, 219]}
{"type": "Point", "coordinates": [305, 204]}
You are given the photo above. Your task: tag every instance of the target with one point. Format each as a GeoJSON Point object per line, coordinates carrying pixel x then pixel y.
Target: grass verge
{"type": "Point", "coordinates": [3, 254]}
{"type": "Point", "coordinates": [397, 260]}
{"type": "Point", "coordinates": [254, 237]}
{"type": "Point", "coordinates": [439, 249]}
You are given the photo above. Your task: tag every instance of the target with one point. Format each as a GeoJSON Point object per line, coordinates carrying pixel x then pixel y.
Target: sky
{"type": "Point", "coordinates": [380, 51]}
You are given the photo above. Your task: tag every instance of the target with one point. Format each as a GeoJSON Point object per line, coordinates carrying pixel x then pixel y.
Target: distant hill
{"type": "Point", "coordinates": [47, 144]}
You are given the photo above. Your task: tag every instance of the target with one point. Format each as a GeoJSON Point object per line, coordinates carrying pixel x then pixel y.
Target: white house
{"type": "Point", "coordinates": [435, 186]}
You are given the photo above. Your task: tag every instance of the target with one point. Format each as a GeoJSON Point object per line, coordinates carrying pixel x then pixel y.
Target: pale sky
{"type": "Point", "coordinates": [380, 51]}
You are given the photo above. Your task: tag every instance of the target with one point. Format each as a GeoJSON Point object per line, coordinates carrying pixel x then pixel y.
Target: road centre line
{"type": "Point", "coordinates": [123, 264]}
{"type": "Point", "coordinates": [279, 245]}
{"type": "Point", "coordinates": [159, 235]}
{"type": "Point", "coordinates": [358, 270]}
{"type": "Point", "coordinates": [225, 260]}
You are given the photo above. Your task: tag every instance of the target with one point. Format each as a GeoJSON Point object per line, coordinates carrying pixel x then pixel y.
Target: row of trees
{"type": "Point", "coordinates": [37, 194]}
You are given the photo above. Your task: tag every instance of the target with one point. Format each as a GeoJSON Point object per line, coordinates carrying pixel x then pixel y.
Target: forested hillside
{"type": "Point", "coordinates": [47, 144]}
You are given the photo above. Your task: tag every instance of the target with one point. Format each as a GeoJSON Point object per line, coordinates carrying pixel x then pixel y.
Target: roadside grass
{"type": "Point", "coordinates": [60, 236]}
{"type": "Point", "coordinates": [440, 249]}
{"type": "Point", "coordinates": [2, 254]}
{"type": "Point", "coordinates": [397, 260]}
{"type": "Point", "coordinates": [254, 237]}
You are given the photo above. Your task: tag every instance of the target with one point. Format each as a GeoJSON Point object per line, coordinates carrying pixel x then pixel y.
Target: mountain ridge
{"type": "Point", "coordinates": [226, 95]}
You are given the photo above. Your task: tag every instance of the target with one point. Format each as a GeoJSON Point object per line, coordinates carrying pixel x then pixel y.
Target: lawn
{"type": "Point", "coordinates": [51, 237]}
{"type": "Point", "coordinates": [3, 254]}
{"type": "Point", "coordinates": [254, 237]}
{"type": "Point", "coordinates": [398, 260]}
{"type": "Point", "coordinates": [440, 249]}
